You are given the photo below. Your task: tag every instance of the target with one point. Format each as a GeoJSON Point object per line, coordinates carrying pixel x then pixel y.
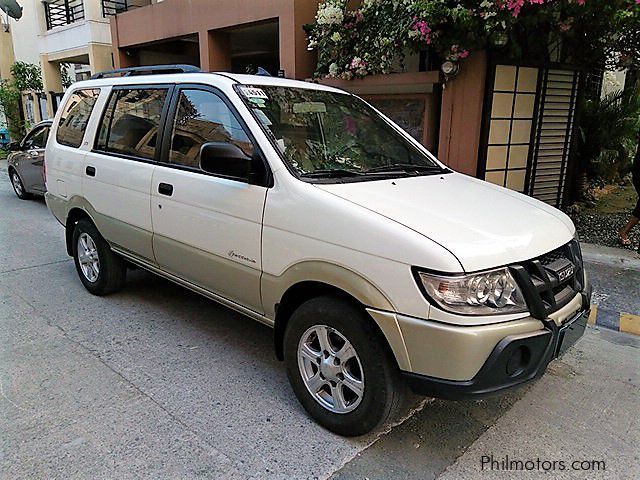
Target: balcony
{"type": "Point", "coordinates": [63, 12]}
{"type": "Point", "coordinates": [114, 7]}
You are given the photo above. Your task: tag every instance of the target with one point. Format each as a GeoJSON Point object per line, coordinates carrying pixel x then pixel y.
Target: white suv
{"type": "Point", "coordinates": [305, 208]}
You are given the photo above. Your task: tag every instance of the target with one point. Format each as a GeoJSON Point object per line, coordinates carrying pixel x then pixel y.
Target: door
{"type": "Point", "coordinates": [119, 169]}
{"type": "Point", "coordinates": [31, 162]}
{"type": "Point", "coordinates": [208, 225]}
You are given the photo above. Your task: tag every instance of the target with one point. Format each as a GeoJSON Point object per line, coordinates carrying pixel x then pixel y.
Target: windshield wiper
{"type": "Point", "coordinates": [406, 167]}
{"type": "Point", "coordinates": [331, 173]}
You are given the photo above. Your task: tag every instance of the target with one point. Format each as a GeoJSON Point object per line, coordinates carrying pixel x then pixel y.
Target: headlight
{"type": "Point", "coordinates": [486, 293]}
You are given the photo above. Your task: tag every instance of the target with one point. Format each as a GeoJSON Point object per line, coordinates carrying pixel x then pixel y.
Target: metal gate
{"type": "Point", "coordinates": [554, 132]}
{"type": "Point", "coordinates": [529, 127]}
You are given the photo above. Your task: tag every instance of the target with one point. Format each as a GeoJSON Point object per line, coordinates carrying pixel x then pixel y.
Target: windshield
{"type": "Point", "coordinates": [324, 134]}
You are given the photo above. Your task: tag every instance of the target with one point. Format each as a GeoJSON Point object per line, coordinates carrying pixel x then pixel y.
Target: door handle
{"type": "Point", "coordinates": [165, 189]}
{"type": "Point", "coordinates": [90, 171]}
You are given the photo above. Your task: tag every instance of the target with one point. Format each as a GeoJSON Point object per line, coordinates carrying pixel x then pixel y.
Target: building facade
{"type": "Point", "coordinates": [66, 38]}
{"type": "Point", "coordinates": [508, 123]}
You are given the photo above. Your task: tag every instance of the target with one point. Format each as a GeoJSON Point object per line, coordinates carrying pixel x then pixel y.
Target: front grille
{"type": "Point", "coordinates": [550, 281]}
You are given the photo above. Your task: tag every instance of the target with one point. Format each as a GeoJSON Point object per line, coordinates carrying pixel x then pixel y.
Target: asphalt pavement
{"type": "Point", "coordinates": [158, 382]}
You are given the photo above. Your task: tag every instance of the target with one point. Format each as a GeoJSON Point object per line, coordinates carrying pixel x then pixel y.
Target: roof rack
{"type": "Point", "coordinates": [146, 70]}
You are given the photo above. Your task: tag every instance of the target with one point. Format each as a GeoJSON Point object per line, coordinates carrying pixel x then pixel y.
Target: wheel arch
{"type": "Point", "coordinates": [304, 290]}
{"type": "Point", "coordinates": [73, 217]}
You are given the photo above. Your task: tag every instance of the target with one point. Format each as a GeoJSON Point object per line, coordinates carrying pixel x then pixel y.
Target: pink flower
{"type": "Point", "coordinates": [423, 28]}
{"type": "Point", "coordinates": [350, 125]}
{"type": "Point", "coordinates": [515, 6]}
{"type": "Point", "coordinates": [463, 54]}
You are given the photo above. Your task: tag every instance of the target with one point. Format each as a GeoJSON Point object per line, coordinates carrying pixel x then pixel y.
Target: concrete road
{"type": "Point", "coordinates": [157, 382]}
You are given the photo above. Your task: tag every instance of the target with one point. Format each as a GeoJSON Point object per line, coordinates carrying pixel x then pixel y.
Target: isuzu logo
{"type": "Point", "coordinates": [566, 273]}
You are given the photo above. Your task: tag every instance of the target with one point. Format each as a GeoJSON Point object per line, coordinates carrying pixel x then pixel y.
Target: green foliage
{"type": "Point", "coordinates": [608, 131]}
{"type": "Point", "coordinates": [369, 39]}
{"type": "Point", "coordinates": [64, 74]}
{"type": "Point", "coordinates": [10, 103]}
{"type": "Point", "coordinates": [27, 76]}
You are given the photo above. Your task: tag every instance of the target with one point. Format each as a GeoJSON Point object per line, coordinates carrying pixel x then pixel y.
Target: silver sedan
{"type": "Point", "coordinates": [26, 162]}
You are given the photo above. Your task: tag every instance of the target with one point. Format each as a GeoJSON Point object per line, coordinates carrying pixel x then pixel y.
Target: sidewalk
{"type": "Point", "coordinates": [593, 253]}
{"type": "Point", "coordinates": [615, 274]}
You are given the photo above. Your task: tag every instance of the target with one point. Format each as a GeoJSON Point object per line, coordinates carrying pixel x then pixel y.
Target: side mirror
{"type": "Point", "coordinates": [226, 159]}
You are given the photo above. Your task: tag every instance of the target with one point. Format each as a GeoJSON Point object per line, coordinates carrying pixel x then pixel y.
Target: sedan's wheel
{"type": "Point", "coordinates": [18, 187]}
{"type": "Point", "coordinates": [340, 366]}
{"type": "Point", "coordinates": [100, 270]}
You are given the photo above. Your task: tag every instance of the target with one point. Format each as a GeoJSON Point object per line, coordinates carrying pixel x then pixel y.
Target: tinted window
{"type": "Point", "coordinates": [37, 139]}
{"type": "Point", "coordinates": [203, 117]}
{"type": "Point", "coordinates": [75, 116]}
{"type": "Point", "coordinates": [131, 121]}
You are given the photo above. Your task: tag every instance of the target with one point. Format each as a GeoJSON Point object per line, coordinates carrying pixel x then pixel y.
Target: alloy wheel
{"type": "Point", "coordinates": [88, 257]}
{"type": "Point", "coordinates": [331, 369]}
{"type": "Point", "coordinates": [17, 184]}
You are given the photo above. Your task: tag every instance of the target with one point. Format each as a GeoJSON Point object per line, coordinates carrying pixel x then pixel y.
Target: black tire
{"type": "Point", "coordinates": [383, 392]}
{"type": "Point", "coordinates": [112, 269]}
{"type": "Point", "coordinates": [18, 186]}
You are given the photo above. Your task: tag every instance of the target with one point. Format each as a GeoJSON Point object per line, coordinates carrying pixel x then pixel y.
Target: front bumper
{"type": "Point", "coordinates": [515, 360]}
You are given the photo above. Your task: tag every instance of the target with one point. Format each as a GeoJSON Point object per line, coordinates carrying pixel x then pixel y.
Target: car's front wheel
{"type": "Point", "coordinates": [18, 186]}
{"type": "Point", "coordinates": [100, 270]}
{"type": "Point", "coordinates": [340, 368]}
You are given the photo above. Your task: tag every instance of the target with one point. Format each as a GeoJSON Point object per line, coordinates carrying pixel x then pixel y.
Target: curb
{"type": "Point", "coordinates": [612, 320]}
{"type": "Point", "coordinates": [617, 257]}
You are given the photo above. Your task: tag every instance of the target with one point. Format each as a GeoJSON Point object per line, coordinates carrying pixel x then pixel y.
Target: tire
{"type": "Point", "coordinates": [109, 275]}
{"type": "Point", "coordinates": [373, 363]}
{"type": "Point", "coordinates": [18, 186]}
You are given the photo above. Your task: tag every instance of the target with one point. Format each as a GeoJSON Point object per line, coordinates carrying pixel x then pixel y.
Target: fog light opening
{"type": "Point", "coordinates": [518, 361]}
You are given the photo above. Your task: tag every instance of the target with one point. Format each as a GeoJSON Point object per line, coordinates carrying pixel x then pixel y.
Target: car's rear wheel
{"type": "Point", "coordinates": [340, 367]}
{"type": "Point", "coordinates": [100, 270]}
{"type": "Point", "coordinates": [18, 186]}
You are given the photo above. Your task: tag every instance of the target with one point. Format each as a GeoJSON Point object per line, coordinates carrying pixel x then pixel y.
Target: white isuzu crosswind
{"type": "Point", "coordinates": [305, 208]}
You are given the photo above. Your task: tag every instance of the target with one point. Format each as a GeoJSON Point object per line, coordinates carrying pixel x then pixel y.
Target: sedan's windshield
{"type": "Point", "coordinates": [323, 134]}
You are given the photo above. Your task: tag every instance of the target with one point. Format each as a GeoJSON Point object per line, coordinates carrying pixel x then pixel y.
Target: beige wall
{"type": "Point", "coordinates": [7, 57]}
{"type": "Point", "coordinates": [177, 18]}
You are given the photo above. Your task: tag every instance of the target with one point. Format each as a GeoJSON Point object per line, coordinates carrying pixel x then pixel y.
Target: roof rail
{"type": "Point", "coordinates": [146, 70]}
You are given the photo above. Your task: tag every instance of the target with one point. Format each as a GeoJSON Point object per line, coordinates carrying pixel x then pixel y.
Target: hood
{"type": "Point", "coordinates": [483, 225]}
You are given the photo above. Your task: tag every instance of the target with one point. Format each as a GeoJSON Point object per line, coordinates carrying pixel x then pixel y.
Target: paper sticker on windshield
{"type": "Point", "coordinates": [252, 92]}
{"type": "Point", "coordinates": [310, 107]}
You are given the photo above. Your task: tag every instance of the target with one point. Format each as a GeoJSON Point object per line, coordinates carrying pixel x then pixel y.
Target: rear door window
{"type": "Point", "coordinates": [75, 117]}
{"type": "Point", "coordinates": [131, 122]}
{"type": "Point", "coordinates": [37, 139]}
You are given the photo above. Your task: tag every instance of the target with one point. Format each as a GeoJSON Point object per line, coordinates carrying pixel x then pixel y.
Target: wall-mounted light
{"type": "Point", "coordinates": [499, 39]}
{"type": "Point", "coordinates": [450, 68]}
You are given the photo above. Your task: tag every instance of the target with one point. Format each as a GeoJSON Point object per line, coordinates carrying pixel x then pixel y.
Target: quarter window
{"type": "Point", "coordinates": [203, 117]}
{"type": "Point", "coordinates": [130, 124]}
{"type": "Point", "coordinates": [75, 117]}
